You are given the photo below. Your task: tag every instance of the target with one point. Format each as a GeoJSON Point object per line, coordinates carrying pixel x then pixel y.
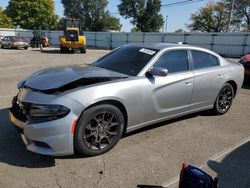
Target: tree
{"type": "Point", "coordinates": [111, 23]}
{"type": "Point", "coordinates": [240, 14]}
{"type": "Point", "coordinates": [180, 31]}
{"type": "Point", "coordinates": [135, 29]}
{"type": "Point", "coordinates": [211, 18]}
{"type": "Point", "coordinates": [5, 21]}
{"type": "Point", "coordinates": [28, 13]}
{"type": "Point", "coordinates": [93, 14]}
{"type": "Point", "coordinates": [144, 13]}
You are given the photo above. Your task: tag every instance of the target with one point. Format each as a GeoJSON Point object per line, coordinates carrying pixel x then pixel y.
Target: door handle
{"type": "Point", "coordinates": [220, 75]}
{"type": "Point", "coordinates": [188, 82]}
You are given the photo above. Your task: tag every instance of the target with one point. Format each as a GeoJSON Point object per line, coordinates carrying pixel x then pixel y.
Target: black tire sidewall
{"type": "Point", "coordinates": [216, 108]}
{"type": "Point", "coordinates": [83, 50]}
{"type": "Point", "coordinates": [87, 115]}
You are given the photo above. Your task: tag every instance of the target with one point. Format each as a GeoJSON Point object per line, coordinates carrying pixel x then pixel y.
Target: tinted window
{"type": "Point", "coordinates": [174, 61]}
{"type": "Point", "coordinates": [203, 59]}
{"type": "Point", "coordinates": [127, 59]}
{"type": "Point", "coordinates": [214, 60]}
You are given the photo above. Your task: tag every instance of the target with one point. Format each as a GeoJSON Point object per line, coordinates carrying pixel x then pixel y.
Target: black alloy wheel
{"type": "Point", "coordinates": [99, 129]}
{"type": "Point", "coordinates": [224, 99]}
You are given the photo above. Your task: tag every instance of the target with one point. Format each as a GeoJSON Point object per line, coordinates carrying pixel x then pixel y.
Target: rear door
{"type": "Point", "coordinates": [209, 78]}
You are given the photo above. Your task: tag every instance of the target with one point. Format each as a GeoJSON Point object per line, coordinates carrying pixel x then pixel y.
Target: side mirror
{"type": "Point", "coordinates": [157, 71]}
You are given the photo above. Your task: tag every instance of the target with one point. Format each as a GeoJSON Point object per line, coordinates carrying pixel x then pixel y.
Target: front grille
{"type": "Point", "coordinates": [19, 110]}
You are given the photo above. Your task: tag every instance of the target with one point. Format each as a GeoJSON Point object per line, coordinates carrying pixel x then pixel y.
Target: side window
{"type": "Point", "coordinates": [214, 60]}
{"type": "Point", "coordinates": [174, 61]}
{"type": "Point", "coordinates": [203, 59]}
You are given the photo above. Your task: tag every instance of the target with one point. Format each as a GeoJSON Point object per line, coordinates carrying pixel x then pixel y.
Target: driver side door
{"type": "Point", "coordinates": [169, 95]}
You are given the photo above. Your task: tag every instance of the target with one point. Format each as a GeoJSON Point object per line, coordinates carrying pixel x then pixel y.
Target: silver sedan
{"type": "Point", "coordinates": [14, 42]}
{"type": "Point", "coordinates": [89, 108]}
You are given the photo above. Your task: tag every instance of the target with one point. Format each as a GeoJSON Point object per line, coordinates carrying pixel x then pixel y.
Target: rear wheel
{"type": "Point", "coordinates": [224, 100]}
{"type": "Point", "coordinates": [83, 50]}
{"type": "Point", "coordinates": [98, 130]}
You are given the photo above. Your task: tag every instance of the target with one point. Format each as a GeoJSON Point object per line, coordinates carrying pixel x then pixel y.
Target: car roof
{"type": "Point", "coordinates": [157, 46]}
{"type": "Point", "coordinates": [162, 46]}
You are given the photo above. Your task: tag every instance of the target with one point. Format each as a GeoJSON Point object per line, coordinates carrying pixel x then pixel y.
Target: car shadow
{"type": "Point", "coordinates": [54, 51]}
{"type": "Point", "coordinates": [246, 83]}
{"type": "Point", "coordinates": [13, 151]}
{"type": "Point", "coordinates": [13, 49]}
{"type": "Point", "coordinates": [164, 123]}
{"type": "Point", "coordinates": [234, 169]}
{"type": "Point", "coordinates": [149, 186]}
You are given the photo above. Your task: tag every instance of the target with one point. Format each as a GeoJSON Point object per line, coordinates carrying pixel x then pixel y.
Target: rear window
{"type": "Point", "coordinates": [215, 60]}
{"type": "Point", "coordinates": [203, 59]}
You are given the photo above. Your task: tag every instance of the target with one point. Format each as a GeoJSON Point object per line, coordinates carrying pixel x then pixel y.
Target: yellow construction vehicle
{"type": "Point", "coordinates": [73, 38]}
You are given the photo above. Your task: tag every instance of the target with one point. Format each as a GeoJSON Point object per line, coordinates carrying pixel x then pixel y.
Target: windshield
{"type": "Point", "coordinates": [127, 60]}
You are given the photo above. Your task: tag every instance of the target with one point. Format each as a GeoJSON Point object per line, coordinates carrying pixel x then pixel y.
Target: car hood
{"type": "Point", "coordinates": [69, 77]}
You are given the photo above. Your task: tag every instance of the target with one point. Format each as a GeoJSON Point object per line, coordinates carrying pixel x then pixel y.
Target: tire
{"type": "Point", "coordinates": [9, 46]}
{"type": "Point", "coordinates": [98, 130]}
{"type": "Point", "coordinates": [26, 48]}
{"type": "Point", "coordinates": [224, 100]}
{"type": "Point", "coordinates": [62, 49]}
{"type": "Point", "coordinates": [83, 50]}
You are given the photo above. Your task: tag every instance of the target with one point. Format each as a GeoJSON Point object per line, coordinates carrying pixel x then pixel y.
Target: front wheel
{"type": "Point", "coordinates": [63, 49]}
{"type": "Point", "coordinates": [224, 100]}
{"type": "Point", "coordinates": [98, 130]}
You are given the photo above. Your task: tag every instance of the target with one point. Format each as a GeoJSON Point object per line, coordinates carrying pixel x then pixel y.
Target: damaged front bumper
{"type": "Point", "coordinates": [48, 138]}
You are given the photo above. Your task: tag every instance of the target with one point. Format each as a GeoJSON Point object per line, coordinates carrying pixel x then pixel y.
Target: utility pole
{"type": "Point", "coordinates": [166, 24]}
{"type": "Point", "coordinates": [230, 15]}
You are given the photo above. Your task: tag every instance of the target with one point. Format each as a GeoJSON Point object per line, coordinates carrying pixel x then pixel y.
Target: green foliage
{"type": "Point", "coordinates": [111, 23]}
{"type": "Point", "coordinates": [179, 31]}
{"type": "Point", "coordinates": [93, 14]}
{"type": "Point", "coordinates": [5, 21]}
{"type": "Point", "coordinates": [144, 13]}
{"type": "Point", "coordinates": [135, 29]}
{"type": "Point", "coordinates": [29, 13]}
{"type": "Point", "coordinates": [241, 14]}
{"type": "Point", "coordinates": [211, 18]}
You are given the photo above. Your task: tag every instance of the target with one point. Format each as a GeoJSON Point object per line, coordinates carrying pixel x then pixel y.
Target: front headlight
{"type": "Point", "coordinates": [42, 113]}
